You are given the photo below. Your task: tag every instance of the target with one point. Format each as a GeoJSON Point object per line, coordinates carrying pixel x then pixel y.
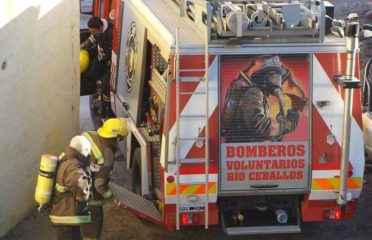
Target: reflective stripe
{"type": "Point", "coordinates": [107, 194]}
{"type": "Point", "coordinates": [96, 203]}
{"type": "Point", "coordinates": [91, 40]}
{"type": "Point", "coordinates": [82, 199]}
{"type": "Point", "coordinates": [191, 189]}
{"type": "Point", "coordinates": [61, 189]}
{"type": "Point", "coordinates": [44, 192]}
{"type": "Point", "coordinates": [334, 183]}
{"type": "Point", "coordinates": [61, 155]}
{"type": "Point", "coordinates": [44, 165]}
{"type": "Point", "coordinates": [106, 98]}
{"type": "Point", "coordinates": [70, 219]}
{"type": "Point", "coordinates": [97, 153]}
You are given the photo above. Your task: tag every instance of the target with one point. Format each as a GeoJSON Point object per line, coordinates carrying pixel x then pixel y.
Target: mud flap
{"type": "Point", "coordinates": [138, 205]}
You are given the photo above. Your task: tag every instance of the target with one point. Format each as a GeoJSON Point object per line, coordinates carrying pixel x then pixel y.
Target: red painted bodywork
{"type": "Point", "coordinates": [312, 210]}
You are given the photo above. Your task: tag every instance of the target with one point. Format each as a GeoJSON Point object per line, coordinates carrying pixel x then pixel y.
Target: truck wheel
{"type": "Point", "coordinates": [136, 181]}
{"type": "Point", "coordinates": [96, 112]}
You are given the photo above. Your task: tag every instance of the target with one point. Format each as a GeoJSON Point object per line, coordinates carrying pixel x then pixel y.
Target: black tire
{"type": "Point", "coordinates": [136, 181]}
{"type": "Point", "coordinates": [96, 113]}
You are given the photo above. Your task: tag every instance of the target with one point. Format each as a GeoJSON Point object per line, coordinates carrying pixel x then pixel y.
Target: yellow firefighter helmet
{"type": "Point", "coordinates": [45, 179]}
{"type": "Point", "coordinates": [113, 127]}
{"type": "Point", "coordinates": [84, 60]}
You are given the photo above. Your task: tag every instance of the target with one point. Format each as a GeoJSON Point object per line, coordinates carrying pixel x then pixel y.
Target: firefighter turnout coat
{"type": "Point", "coordinates": [103, 156]}
{"type": "Point", "coordinates": [72, 190]}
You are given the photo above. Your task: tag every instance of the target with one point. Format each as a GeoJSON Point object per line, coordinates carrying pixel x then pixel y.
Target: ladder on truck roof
{"type": "Point", "coordinates": [187, 118]}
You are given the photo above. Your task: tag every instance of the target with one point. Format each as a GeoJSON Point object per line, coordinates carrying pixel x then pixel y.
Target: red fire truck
{"type": "Point", "coordinates": [242, 113]}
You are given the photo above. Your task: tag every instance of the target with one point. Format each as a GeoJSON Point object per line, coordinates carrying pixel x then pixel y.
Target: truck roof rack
{"type": "Point", "coordinates": [263, 20]}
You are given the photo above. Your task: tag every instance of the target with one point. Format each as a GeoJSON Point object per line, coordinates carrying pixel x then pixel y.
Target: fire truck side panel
{"type": "Point", "coordinates": [128, 92]}
{"type": "Point", "coordinates": [132, 62]}
{"type": "Point", "coordinates": [321, 210]}
{"type": "Point", "coordinates": [157, 33]}
{"type": "Point", "coordinates": [117, 23]}
{"type": "Point", "coordinates": [299, 165]}
{"type": "Point", "coordinates": [327, 139]}
{"type": "Point", "coordinates": [102, 8]}
{"type": "Point", "coordinates": [197, 216]}
{"type": "Point", "coordinates": [192, 176]}
{"type": "Point", "coordinates": [327, 111]}
{"type": "Point", "coordinates": [194, 104]}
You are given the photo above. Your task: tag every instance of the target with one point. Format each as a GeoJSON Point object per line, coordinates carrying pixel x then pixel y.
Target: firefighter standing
{"type": "Point", "coordinates": [72, 190]}
{"type": "Point", "coordinates": [101, 37]}
{"type": "Point", "coordinates": [103, 147]}
{"type": "Point", "coordinates": [99, 69]}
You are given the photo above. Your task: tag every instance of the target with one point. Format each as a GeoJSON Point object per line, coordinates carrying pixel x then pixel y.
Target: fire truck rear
{"type": "Point", "coordinates": [241, 113]}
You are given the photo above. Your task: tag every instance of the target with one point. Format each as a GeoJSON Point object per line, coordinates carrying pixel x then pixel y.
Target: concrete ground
{"type": "Point", "coordinates": [85, 120]}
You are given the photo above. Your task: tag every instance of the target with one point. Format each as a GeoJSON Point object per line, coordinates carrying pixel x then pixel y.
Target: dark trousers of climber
{"type": "Point", "coordinates": [93, 230]}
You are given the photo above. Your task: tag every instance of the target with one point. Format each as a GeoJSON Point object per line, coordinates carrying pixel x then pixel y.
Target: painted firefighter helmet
{"type": "Point", "coordinates": [269, 76]}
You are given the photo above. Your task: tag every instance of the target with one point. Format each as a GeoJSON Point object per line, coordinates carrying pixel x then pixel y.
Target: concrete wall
{"type": "Point", "coordinates": [39, 94]}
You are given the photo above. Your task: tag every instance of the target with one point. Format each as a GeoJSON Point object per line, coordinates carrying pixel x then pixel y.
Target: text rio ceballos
{"type": "Point", "coordinates": [265, 162]}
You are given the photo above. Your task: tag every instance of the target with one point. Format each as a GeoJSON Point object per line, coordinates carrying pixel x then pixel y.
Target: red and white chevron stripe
{"type": "Point", "coordinates": [193, 105]}
{"type": "Point", "coordinates": [328, 121]}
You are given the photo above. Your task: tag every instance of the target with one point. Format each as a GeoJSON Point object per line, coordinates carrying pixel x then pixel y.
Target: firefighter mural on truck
{"type": "Point", "coordinates": [254, 95]}
{"type": "Point", "coordinates": [265, 123]}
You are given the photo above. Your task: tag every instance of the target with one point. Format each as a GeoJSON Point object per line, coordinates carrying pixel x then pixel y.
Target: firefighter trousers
{"type": "Point", "coordinates": [93, 230]}
{"type": "Point", "coordinates": [66, 232]}
{"type": "Point", "coordinates": [98, 69]}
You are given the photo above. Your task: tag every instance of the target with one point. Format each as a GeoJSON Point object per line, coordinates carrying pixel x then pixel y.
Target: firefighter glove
{"type": "Point", "coordinates": [82, 208]}
{"type": "Point", "coordinates": [107, 195]}
{"type": "Point", "coordinates": [288, 123]}
{"type": "Point", "coordinates": [94, 167]}
{"type": "Point", "coordinates": [293, 116]}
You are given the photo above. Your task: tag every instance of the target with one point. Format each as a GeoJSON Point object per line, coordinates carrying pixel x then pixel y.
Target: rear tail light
{"type": "Point", "coordinates": [185, 219]}
{"type": "Point", "coordinates": [333, 214]}
{"type": "Point", "coordinates": [190, 218]}
{"type": "Point", "coordinates": [337, 214]}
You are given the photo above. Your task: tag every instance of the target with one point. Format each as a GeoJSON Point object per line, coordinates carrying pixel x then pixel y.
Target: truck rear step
{"type": "Point", "coordinates": [262, 230]}
{"type": "Point", "coordinates": [137, 204]}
